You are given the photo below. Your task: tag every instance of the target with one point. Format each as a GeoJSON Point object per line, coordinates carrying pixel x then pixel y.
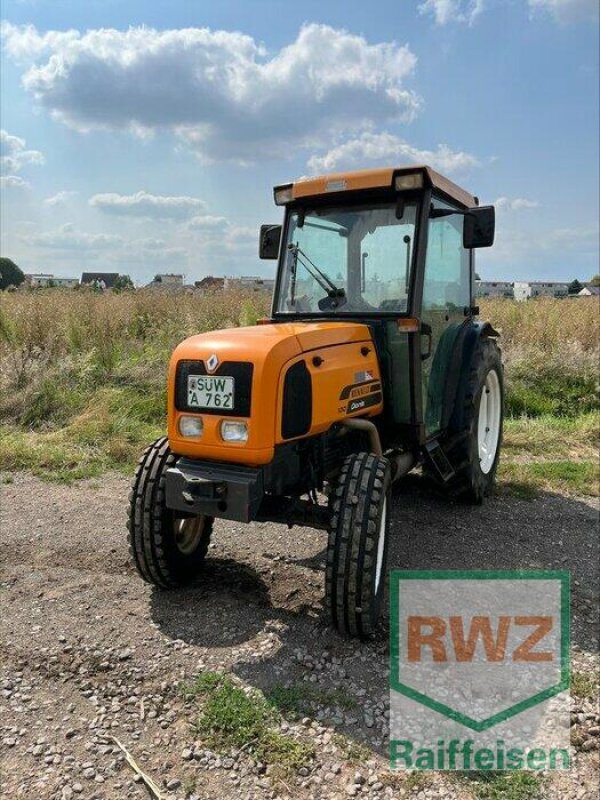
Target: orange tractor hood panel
{"type": "Point", "coordinates": [269, 348]}
{"type": "Point", "coordinates": [279, 341]}
{"type": "Point", "coordinates": [314, 335]}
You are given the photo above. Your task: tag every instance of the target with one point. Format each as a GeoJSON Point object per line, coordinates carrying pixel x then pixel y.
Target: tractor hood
{"type": "Point", "coordinates": [251, 363]}
{"type": "Point", "coordinates": [281, 341]}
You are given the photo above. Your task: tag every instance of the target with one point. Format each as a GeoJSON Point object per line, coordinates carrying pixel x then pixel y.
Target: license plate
{"type": "Point", "coordinates": [205, 391]}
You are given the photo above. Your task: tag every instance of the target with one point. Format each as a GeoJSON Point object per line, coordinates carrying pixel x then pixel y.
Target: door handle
{"type": "Point", "coordinates": [427, 331]}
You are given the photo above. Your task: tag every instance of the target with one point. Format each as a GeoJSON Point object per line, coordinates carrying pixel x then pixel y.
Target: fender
{"type": "Point", "coordinates": [465, 350]}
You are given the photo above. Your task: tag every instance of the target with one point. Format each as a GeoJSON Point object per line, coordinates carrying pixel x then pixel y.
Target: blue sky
{"type": "Point", "coordinates": [145, 137]}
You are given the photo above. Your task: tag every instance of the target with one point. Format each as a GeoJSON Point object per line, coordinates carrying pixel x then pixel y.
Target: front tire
{"type": "Point", "coordinates": [357, 544]}
{"type": "Point", "coordinates": [167, 550]}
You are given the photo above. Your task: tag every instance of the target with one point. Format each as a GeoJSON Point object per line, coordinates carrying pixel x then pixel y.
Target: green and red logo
{"type": "Point", "coordinates": [483, 654]}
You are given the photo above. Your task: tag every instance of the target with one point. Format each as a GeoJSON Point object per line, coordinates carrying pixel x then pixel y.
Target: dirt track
{"type": "Point", "coordinates": [88, 650]}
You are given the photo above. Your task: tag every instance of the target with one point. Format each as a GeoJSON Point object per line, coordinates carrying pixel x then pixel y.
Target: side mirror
{"type": "Point", "coordinates": [479, 227]}
{"type": "Point", "coordinates": [270, 237]}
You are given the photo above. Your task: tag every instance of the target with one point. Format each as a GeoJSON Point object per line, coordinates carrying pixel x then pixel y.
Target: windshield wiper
{"type": "Point", "coordinates": [334, 292]}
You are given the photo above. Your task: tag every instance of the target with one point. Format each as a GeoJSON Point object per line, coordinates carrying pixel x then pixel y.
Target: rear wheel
{"type": "Point", "coordinates": [357, 544]}
{"type": "Point", "coordinates": [474, 452]}
{"type": "Point", "coordinates": [168, 550]}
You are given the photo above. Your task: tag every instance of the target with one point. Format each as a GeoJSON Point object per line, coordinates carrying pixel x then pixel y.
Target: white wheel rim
{"type": "Point", "coordinates": [188, 533]}
{"type": "Point", "coordinates": [380, 545]}
{"type": "Point", "coordinates": [488, 424]}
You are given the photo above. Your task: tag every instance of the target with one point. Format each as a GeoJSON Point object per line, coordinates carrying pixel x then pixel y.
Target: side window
{"type": "Point", "coordinates": [447, 267]}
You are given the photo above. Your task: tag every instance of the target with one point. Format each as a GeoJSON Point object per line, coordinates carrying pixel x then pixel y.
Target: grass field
{"type": "Point", "coordinates": [82, 382]}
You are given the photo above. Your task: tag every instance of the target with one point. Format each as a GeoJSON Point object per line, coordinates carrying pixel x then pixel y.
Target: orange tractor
{"type": "Point", "coordinates": [373, 361]}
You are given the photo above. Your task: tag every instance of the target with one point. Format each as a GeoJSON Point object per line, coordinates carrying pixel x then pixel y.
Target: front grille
{"type": "Point", "coordinates": [240, 371]}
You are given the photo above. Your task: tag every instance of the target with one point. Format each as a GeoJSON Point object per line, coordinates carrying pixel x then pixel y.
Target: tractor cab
{"type": "Point", "coordinates": [393, 248]}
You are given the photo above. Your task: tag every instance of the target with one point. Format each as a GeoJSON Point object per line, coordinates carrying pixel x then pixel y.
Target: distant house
{"type": "Point", "coordinates": [43, 280]}
{"type": "Point", "coordinates": [100, 280]}
{"type": "Point", "coordinates": [167, 280]}
{"type": "Point", "coordinates": [210, 283]}
{"type": "Point", "coordinates": [254, 282]}
{"type": "Point", "coordinates": [589, 291]}
{"type": "Point", "coordinates": [39, 280]}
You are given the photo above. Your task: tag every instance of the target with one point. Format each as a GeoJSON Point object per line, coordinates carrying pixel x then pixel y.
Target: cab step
{"type": "Point", "coordinates": [439, 460]}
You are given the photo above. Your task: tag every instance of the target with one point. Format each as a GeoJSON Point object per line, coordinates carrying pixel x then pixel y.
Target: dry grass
{"type": "Point", "coordinates": [545, 324]}
{"type": "Point", "coordinates": [551, 352]}
{"type": "Point", "coordinates": [82, 375]}
{"type": "Point", "coordinates": [58, 347]}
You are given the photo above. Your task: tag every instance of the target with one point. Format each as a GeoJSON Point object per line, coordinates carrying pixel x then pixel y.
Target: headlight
{"type": "Point", "coordinates": [234, 431]}
{"type": "Point", "coordinates": [191, 426]}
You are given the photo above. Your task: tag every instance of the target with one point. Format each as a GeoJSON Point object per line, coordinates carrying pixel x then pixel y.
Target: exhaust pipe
{"type": "Point", "coordinates": [401, 462]}
{"type": "Point", "coordinates": [369, 428]}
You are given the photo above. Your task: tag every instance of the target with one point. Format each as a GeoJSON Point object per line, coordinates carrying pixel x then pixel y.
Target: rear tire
{"type": "Point", "coordinates": [357, 544]}
{"type": "Point", "coordinates": [474, 452]}
{"type": "Point", "coordinates": [167, 550]}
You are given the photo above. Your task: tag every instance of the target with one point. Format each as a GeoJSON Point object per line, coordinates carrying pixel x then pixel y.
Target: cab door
{"type": "Point", "coordinates": [446, 304]}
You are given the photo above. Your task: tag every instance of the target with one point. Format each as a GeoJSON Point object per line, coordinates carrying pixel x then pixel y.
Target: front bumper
{"type": "Point", "coordinates": [228, 491]}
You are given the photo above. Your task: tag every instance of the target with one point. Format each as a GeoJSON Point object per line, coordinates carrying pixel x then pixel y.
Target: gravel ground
{"type": "Point", "coordinates": [90, 652]}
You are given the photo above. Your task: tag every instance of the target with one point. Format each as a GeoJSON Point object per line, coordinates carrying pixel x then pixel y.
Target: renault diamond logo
{"type": "Point", "coordinates": [212, 363]}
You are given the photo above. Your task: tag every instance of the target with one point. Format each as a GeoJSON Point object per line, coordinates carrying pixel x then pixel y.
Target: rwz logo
{"type": "Point", "coordinates": [459, 638]}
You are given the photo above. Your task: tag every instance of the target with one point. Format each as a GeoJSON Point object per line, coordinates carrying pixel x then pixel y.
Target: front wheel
{"type": "Point", "coordinates": [167, 550]}
{"type": "Point", "coordinates": [357, 544]}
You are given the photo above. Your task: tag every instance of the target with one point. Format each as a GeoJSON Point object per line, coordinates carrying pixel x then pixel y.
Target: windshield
{"type": "Point", "coordinates": [349, 259]}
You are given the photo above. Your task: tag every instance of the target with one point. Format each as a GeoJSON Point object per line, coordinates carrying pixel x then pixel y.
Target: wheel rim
{"type": "Point", "coordinates": [380, 545]}
{"type": "Point", "coordinates": [488, 426]}
{"type": "Point", "coordinates": [188, 533]}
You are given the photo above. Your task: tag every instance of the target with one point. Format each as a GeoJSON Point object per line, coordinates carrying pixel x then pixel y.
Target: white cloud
{"type": "Point", "coordinates": [385, 147]}
{"type": "Point", "coordinates": [566, 11]}
{"type": "Point", "coordinates": [67, 238]}
{"type": "Point", "coordinates": [214, 234]}
{"type": "Point", "coordinates": [220, 92]}
{"type": "Point", "coordinates": [14, 154]}
{"type": "Point", "coordinates": [149, 206]}
{"type": "Point", "coordinates": [516, 204]}
{"type": "Point", "coordinates": [204, 222]}
{"type": "Point", "coordinates": [60, 198]}
{"type": "Point", "coordinates": [13, 182]}
{"type": "Point", "coordinates": [153, 251]}
{"type": "Point", "coordinates": [239, 235]}
{"type": "Point", "coordinates": [447, 11]}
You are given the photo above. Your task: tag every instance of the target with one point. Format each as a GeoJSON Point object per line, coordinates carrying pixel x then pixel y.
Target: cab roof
{"type": "Point", "coordinates": [380, 178]}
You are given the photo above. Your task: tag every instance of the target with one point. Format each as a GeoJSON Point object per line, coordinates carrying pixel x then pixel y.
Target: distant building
{"type": "Point", "coordinates": [38, 281]}
{"type": "Point", "coordinates": [549, 289]}
{"type": "Point", "coordinates": [589, 291]}
{"type": "Point", "coordinates": [521, 290]}
{"type": "Point", "coordinates": [494, 289]}
{"type": "Point", "coordinates": [254, 282]}
{"type": "Point", "coordinates": [100, 280]}
{"type": "Point", "coordinates": [167, 280]}
{"type": "Point", "coordinates": [210, 283]}
{"type": "Point", "coordinates": [43, 280]}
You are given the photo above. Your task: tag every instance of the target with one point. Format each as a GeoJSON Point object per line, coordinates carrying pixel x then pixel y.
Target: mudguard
{"type": "Point", "coordinates": [465, 351]}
